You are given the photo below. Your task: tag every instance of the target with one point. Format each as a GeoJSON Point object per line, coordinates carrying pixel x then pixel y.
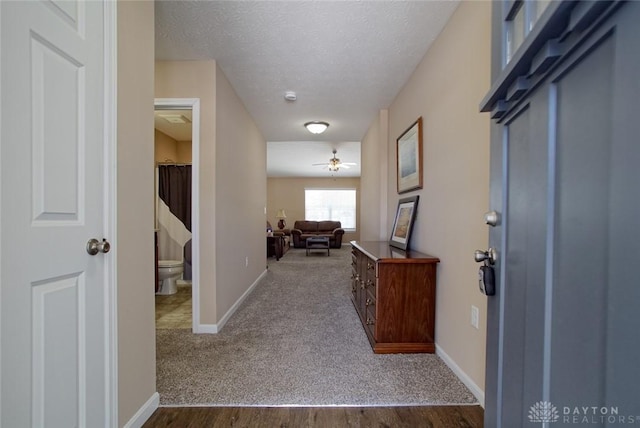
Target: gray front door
{"type": "Point", "coordinates": [563, 347]}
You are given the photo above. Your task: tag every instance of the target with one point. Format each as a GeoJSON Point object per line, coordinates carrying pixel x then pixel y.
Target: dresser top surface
{"type": "Point", "coordinates": [381, 250]}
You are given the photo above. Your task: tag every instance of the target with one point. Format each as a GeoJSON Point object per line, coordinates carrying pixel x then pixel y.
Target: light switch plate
{"type": "Point", "coordinates": [475, 317]}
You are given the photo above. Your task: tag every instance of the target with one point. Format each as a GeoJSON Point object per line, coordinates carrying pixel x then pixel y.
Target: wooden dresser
{"type": "Point", "coordinates": [394, 293]}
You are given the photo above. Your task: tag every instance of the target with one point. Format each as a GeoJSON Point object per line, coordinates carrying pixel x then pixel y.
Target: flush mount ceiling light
{"type": "Point", "coordinates": [175, 118]}
{"type": "Point", "coordinates": [316, 127]}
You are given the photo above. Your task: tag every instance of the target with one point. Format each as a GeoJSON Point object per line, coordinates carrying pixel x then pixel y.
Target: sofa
{"type": "Point", "coordinates": [303, 229]}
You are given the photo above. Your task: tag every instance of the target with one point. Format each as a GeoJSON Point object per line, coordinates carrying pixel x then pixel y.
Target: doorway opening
{"type": "Point", "coordinates": [182, 111]}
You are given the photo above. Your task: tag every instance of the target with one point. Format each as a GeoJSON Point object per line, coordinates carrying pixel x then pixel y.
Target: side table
{"type": "Point", "coordinates": [275, 246]}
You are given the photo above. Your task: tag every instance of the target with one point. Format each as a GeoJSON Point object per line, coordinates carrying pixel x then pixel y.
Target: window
{"type": "Point", "coordinates": [331, 204]}
{"type": "Point", "coordinates": [521, 17]}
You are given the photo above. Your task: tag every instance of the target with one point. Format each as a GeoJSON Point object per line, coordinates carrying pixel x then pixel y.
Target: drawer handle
{"type": "Point", "coordinates": [370, 321]}
{"type": "Point", "coordinates": [369, 302]}
{"type": "Point", "coordinates": [362, 284]}
{"type": "Point", "coordinates": [369, 283]}
{"type": "Point", "coordinates": [370, 266]}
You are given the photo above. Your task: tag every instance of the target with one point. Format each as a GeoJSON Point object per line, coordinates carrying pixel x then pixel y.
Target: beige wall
{"type": "Point", "coordinates": [165, 147]}
{"type": "Point", "coordinates": [168, 149]}
{"type": "Point", "coordinates": [241, 177]}
{"type": "Point", "coordinates": [232, 184]}
{"type": "Point", "coordinates": [288, 193]}
{"type": "Point", "coordinates": [183, 152]}
{"type": "Point", "coordinates": [445, 90]}
{"type": "Point", "coordinates": [196, 79]}
{"type": "Point", "coordinates": [373, 180]}
{"type": "Point", "coordinates": [134, 245]}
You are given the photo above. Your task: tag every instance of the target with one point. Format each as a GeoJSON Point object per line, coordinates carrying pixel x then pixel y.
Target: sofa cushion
{"type": "Point", "coordinates": [306, 226]}
{"type": "Point", "coordinates": [328, 226]}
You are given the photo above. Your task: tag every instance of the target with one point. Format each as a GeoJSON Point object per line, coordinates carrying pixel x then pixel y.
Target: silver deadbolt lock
{"type": "Point", "coordinates": [492, 218]}
{"type": "Point", "coordinates": [94, 246]}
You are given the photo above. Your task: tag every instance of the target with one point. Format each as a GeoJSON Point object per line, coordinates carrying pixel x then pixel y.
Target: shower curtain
{"type": "Point", "coordinates": [174, 213]}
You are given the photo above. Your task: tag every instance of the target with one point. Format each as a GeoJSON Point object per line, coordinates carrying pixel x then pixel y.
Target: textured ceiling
{"type": "Point", "coordinates": [346, 60]}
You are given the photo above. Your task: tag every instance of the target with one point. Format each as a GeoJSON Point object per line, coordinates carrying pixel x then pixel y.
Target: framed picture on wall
{"type": "Point", "coordinates": [409, 158]}
{"type": "Point", "coordinates": [403, 223]}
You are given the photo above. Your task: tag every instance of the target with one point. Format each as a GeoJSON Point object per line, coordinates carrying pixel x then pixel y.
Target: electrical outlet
{"type": "Point", "coordinates": [246, 262]}
{"type": "Point", "coordinates": [475, 317]}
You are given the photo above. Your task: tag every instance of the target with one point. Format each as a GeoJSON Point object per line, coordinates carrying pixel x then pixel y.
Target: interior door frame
{"type": "Point", "coordinates": [110, 157]}
{"type": "Point", "coordinates": [192, 104]}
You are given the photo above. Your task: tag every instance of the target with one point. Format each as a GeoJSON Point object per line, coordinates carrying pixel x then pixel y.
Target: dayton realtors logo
{"type": "Point", "coordinates": [543, 411]}
{"type": "Point", "coordinates": [546, 412]}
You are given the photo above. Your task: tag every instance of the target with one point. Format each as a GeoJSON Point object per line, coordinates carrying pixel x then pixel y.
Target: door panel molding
{"type": "Point", "coordinates": [69, 355]}
{"type": "Point", "coordinates": [550, 239]}
{"type": "Point", "coordinates": [73, 13]}
{"type": "Point", "coordinates": [58, 175]}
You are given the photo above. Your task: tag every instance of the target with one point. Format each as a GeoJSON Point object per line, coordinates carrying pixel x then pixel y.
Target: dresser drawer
{"type": "Point", "coordinates": [371, 268]}
{"type": "Point", "coordinates": [370, 286]}
{"type": "Point", "coordinates": [370, 320]}
{"type": "Point", "coordinates": [370, 306]}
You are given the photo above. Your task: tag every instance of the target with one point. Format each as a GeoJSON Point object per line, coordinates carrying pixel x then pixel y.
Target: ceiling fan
{"type": "Point", "coordinates": [334, 163]}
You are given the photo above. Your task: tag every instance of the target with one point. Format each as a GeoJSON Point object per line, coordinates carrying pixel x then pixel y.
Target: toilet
{"type": "Point", "coordinates": [168, 272]}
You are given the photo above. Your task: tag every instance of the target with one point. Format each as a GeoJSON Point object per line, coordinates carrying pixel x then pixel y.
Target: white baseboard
{"type": "Point", "coordinates": [206, 329]}
{"type": "Point", "coordinates": [215, 328]}
{"type": "Point", "coordinates": [464, 378]}
{"type": "Point", "coordinates": [144, 412]}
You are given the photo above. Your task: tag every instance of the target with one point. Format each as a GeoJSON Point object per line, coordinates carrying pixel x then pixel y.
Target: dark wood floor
{"type": "Point", "coordinates": [320, 417]}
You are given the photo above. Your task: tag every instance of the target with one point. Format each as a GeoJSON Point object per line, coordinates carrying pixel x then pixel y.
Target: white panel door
{"type": "Point", "coordinates": [53, 313]}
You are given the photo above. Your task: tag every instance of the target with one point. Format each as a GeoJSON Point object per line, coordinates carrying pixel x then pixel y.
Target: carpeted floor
{"type": "Point", "coordinates": [297, 340]}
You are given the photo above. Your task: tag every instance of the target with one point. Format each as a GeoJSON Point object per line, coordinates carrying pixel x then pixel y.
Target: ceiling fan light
{"type": "Point", "coordinates": [316, 127]}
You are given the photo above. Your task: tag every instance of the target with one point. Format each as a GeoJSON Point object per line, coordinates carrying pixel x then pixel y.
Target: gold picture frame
{"type": "Point", "coordinates": [409, 158]}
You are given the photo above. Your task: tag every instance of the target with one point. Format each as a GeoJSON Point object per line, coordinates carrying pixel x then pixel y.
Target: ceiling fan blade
{"type": "Point", "coordinates": [319, 164]}
{"type": "Point", "coordinates": [344, 165]}
{"type": "Point", "coordinates": [349, 163]}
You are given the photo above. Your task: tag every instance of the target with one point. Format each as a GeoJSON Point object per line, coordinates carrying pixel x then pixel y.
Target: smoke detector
{"type": "Point", "coordinates": [290, 96]}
